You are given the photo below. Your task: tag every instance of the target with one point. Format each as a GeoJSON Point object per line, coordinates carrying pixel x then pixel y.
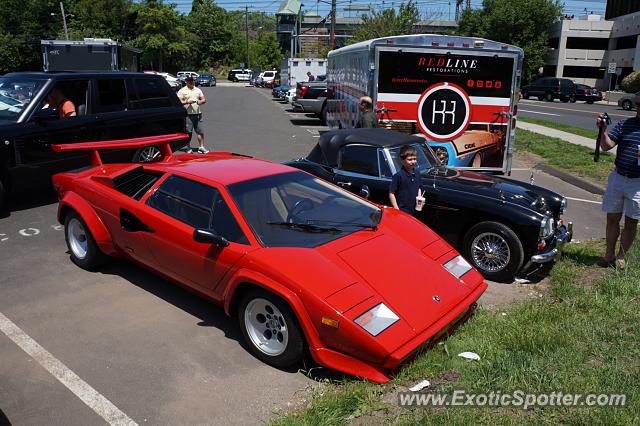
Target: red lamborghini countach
{"type": "Point", "coordinates": [302, 264]}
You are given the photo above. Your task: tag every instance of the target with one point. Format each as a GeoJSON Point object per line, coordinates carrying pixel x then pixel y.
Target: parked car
{"type": "Point", "coordinates": [205, 80]}
{"type": "Point", "coordinates": [627, 102]}
{"type": "Point", "coordinates": [304, 266]}
{"type": "Point", "coordinates": [501, 226]}
{"type": "Point", "coordinates": [279, 92]}
{"type": "Point", "coordinates": [108, 106]}
{"type": "Point", "coordinates": [550, 88]}
{"type": "Point", "coordinates": [291, 94]}
{"type": "Point", "coordinates": [587, 94]}
{"type": "Point", "coordinates": [268, 78]}
{"type": "Point", "coordinates": [237, 75]}
{"type": "Point", "coordinates": [312, 98]}
{"type": "Point", "coordinates": [175, 83]}
{"type": "Point", "coordinates": [184, 74]}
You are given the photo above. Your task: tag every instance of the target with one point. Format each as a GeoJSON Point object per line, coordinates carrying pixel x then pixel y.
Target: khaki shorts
{"type": "Point", "coordinates": [193, 123]}
{"type": "Point", "coordinates": [622, 196]}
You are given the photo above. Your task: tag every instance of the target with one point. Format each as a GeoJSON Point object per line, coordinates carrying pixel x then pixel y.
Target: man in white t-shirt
{"type": "Point", "coordinates": [192, 97]}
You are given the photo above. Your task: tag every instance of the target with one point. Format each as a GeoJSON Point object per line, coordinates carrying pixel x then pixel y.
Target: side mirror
{"type": "Point", "coordinates": [46, 114]}
{"type": "Point", "coordinates": [364, 191]}
{"type": "Point", "coordinates": [209, 237]}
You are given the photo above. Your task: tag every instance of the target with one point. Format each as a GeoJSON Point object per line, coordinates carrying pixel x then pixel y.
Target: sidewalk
{"type": "Point", "coordinates": [570, 138]}
{"type": "Point", "coordinates": [565, 136]}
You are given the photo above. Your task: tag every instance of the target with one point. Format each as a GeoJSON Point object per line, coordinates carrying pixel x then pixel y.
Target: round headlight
{"type": "Point", "coordinates": [442, 155]}
{"type": "Point", "coordinates": [563, 205]}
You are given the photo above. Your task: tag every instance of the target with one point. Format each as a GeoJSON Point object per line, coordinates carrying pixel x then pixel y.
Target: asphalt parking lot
{"type": "Point", "coordinates": [124, 346]}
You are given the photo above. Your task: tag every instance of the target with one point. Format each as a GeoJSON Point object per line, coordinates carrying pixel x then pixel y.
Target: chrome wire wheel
{"type": "Point", "coordinates": [148, 154]}
{"type": "Point", "coordinates": [77, 237]}
{"type": "Point", "coordinates": [490, 252]}
{"type": "Point", "coordinates": [266, 327]}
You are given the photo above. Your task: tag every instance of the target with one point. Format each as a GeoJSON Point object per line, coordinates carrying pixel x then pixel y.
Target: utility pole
{"type": "Point", "coordinates": [246, 22]}
{"type": "Point", "coordinates": [333, 24]}
{"type": "Point", "coordinates": [64, 21]}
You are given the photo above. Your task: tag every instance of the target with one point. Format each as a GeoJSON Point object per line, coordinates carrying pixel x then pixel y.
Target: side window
{"type": "Point", "coordinates": [198, 205]}
{"type": "Point", "coordinates": [361, 159]}
{"type": "Point", "coordinates": [69, 97]}
{"type": "Point", "coordinates": [152, 93]}
{"type": "Point", "coordinates": [112, 95]}
{"type": "Point", "coordinates": [385, 170]}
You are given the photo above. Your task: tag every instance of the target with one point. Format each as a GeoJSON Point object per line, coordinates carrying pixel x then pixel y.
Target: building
{"type": "Point", "coordinates": [596, 51]}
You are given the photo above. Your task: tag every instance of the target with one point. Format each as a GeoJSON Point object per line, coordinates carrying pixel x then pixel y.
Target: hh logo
{"type": "Point", "coordinates": [443, 112]}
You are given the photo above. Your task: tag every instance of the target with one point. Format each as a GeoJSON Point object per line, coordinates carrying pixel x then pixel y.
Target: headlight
{"type": "Point", "coordinates": [546, 227]}
{"type": "Point", "coordinates": [377, 319]}
{"type": "Point", "coordinates": [442, 154]}
{"type": "Point", "coordinates": [457, 266]}
{"type": "Point", "coordinates": [563, 205]}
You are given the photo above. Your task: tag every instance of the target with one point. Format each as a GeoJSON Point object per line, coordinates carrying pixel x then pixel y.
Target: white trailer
{"type": "Point", "coordinates": [298, 67]}
{"type": "Point", "coordinates": [460, 93]}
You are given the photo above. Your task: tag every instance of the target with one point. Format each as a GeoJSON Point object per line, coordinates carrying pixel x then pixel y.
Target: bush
{"type": "Point", "coordinates": [631, 83]}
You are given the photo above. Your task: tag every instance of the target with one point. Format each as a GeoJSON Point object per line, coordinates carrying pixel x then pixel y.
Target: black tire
{"type": "Point", "coordinates": [525, 95]}
{"type": "Point", "coordinates": [589, 102]}
{"type": "Point", "coordinates": [254, 308]}
{"type": "Point", "coordinates": [565, 99]}
{"type": "Point", "coordinates": [541, 97]}
{"type": "Point", "coordinates": [83, 249]}
{"type": "Point", "coordinates": [323, 115]}
{"type": "Point", "coordinates": [147, 154]}
{"type": "Point", "coordinates": [3, 198]}
{"type": "Point", "coordinates": [627, 105]}
{"type": "Point", "coordinates": [572, 99]}
{"type": "Point", "coordinates": [548, 97]}
{"type": "Point", "coordinates": [494, 250]}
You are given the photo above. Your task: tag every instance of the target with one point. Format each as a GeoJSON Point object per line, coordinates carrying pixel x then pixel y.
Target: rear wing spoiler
{"type": "Point", "coordinates": [163, 141]}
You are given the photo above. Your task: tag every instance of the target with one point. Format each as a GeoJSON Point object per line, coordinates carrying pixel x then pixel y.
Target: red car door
{"type": "Point", "coordinates": [174, 211]}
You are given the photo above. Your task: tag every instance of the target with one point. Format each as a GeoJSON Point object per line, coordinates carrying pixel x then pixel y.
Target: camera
{"type": "Point", "coordinates": [607, 120]}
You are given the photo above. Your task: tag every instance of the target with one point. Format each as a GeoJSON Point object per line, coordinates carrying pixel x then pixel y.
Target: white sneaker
{"type": "Point", "coordinates": [189, 151]}
{"type": "Point", "coordinates": [203, 150]}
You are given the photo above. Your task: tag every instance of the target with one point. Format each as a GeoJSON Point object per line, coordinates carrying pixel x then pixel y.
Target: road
{"type": "Point", "coordinates": [154, 352]}
{"type": "Point", "coordinates": [579, 114]}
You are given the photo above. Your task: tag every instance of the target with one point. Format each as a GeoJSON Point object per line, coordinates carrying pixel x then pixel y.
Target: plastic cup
{"type": "Point", "coordinates": [419, 202]}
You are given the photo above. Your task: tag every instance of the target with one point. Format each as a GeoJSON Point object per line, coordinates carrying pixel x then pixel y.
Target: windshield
{"type": "Point", "coordinates": [15, 95]}
{"type": "Point", "coordinates": [426, 159]}
{"type": "Point", "coordinates": [298, 210]}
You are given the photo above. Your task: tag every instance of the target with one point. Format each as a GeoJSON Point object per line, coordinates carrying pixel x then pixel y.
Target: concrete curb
{"type": "Point", "coordinates": [569, 178]}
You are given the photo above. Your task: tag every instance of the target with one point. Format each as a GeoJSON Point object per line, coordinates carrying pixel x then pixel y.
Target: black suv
{"type": "Point", "coordinates": [550, 88]}
{"type": "Point", "coordinates": [108, 106]}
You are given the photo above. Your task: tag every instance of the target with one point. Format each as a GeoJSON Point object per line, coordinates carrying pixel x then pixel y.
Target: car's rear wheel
{"type": "Point", "coordinates": [82, 247]}
{"type": "Point", "coordinates": [565, 99]}
{"type": "Point", "coordinates": [548, 97]}
{"type": "Point", "coordinates": [494, 250]}
{"type": "Point", "coordinates": [525, 95]}
{"type": "Point", "coordinates": [148, 154]}
{"type": "Point", "coordinates": [3, 197]}
{"type": "Point", "coordinates": [323, 115]}
{"type": "Point", "coordinates": [627, 105]}
{"type": "Point", "coordinates": [589, 102]}
{"type": "Point", "coordinates": [271, 329]}
{"type": "Point", "coordinates": [541, 97]}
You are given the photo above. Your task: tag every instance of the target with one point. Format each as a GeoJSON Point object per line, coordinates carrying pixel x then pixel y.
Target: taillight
{"type": "Point", "coordinates": [303, 91]}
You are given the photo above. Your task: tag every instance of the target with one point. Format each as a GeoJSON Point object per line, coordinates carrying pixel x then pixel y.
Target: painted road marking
{"type": "Point", "coordinates": [540, 105]}
{"type": "Point", "coordinates": [583, 200]}
{"type": "Point", "coordinates": [28, 232]}
{"type": "Point", "coordinates": [538, 112]}
{"type": "Point", "coordinates": [98, 403]}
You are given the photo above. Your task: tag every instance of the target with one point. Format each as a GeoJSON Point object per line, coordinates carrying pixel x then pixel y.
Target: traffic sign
{"type": "Point", "coordinates": [612, 68]}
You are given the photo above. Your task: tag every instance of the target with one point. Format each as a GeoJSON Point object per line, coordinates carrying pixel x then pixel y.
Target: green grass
{"type": "Point", "coordinates": [575, 159]}
{"type": "Point", "coordinates": [592, 134]}
{"type": "Point", "coordinates": [582, 337]}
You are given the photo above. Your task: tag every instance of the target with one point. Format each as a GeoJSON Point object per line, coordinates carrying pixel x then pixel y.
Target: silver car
{"type": "Point", "coordinates": [627, 101]}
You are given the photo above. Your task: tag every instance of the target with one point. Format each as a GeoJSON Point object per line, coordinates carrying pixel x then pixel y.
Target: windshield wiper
{"type": "Point", "coordinates": [306, 227]}
{"type": "Point", "coordinates": [346, 224]}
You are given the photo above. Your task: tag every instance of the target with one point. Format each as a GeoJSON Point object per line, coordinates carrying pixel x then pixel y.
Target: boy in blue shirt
{"type": "Point", "coordinates": [405, 185]}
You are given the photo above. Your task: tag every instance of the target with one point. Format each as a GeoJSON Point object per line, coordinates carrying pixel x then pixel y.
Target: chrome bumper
{"type": "Point", "coordinates": [563, 236]}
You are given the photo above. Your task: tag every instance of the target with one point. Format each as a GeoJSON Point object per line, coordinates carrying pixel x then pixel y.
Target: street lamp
{"type": "Point", "coordinates": [64, 20]}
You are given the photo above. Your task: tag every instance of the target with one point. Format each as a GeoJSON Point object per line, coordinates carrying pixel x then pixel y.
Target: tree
{"type": "Point", "coordinates": [387, 23]}
{"type": "Point", "coordinates": [210, 34]}
{"type": "Point", "coordinates": [524, 23]}
{"type": "Point", "coordinates": [98, 19]}
{"type": "Point", "coordinates": [265, 51]}
{"type": "Point", "coordinates": [161, 35]}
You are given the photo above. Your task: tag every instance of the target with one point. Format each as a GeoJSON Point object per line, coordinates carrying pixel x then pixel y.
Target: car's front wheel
{"type": "Point", "coordinates": [271, 329]}
{"type": "Point", "coordinates": [549, 97]}
{"type": "Point", "coordinates": [494, 250]}
{"type": "Point", "coordinates": [525, 94]}
{"type": "Point", "coordinates": [627, 105]}
{"type": "Point", "coordinates": [82, 247]}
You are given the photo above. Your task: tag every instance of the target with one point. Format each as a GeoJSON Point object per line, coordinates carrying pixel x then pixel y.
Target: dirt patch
{"type": "Point", "coordinates": [500, 296]}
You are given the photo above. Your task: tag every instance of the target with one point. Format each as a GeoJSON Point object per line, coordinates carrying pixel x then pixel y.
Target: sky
{"type": "Point", "coordinates": [433, 9]}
